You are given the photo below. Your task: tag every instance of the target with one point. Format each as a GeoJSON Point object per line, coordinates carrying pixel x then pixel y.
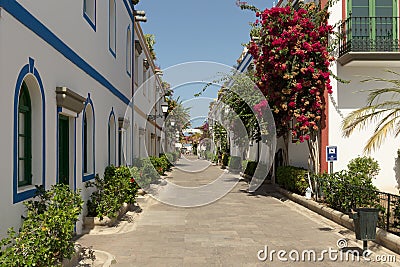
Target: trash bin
{"type": "Point", "coordinates": [365, 221]}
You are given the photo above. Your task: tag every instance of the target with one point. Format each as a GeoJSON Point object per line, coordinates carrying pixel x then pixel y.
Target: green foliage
{"type": "Point", "coordinates": [179, 113]}
{"type": "Point", "coordinates": [244, 164]}
{"type": "Point", "coordinates": [240, 97]}
{"type": "Point", "coordinates": [148, 174]}
{"type": "Point", "coordinates": [114, 189]}
{"type": "Point", "coordinates": [161, 164]}
{"type": "Point", "coordinates": [345, 191]}
{"type": "Point", "coordinates": [210, 155]}
{"type": "Point", "coordinates": [364, 167]}
{"type": "Point", "coordinates": [225, 159]}
{"type": "Point", "coordinates": [151, 41]}
{"type": "Point", "coordinates": [352, 188]}
{"type": "Point", "coordinates": [250, 168]}
{"type": "Point", "coordinates": [47, 230]}
{"type": "Point", "coordinates": [396, 213]}
{"type": "Point", "coordinates": [292, 178]}
{"type": "Point", "coordinates": [235, 163]}
{"type": "Point", "coordinates": [176, 155]}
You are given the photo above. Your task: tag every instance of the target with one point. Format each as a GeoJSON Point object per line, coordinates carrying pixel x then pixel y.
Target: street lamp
{"type": "Point", "coordinates": [164, 108]}
{"type": "Point", "coordinates": [140, 15]}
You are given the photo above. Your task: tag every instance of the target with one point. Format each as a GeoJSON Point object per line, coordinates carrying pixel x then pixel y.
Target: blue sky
{"type": "Point", "coordinates": [189, 30]}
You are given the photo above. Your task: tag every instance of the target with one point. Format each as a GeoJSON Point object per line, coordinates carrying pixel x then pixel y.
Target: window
{"type": "Point", "coordinates": [144, 78]}
{"type": "Point", "coordinates": [88, 141]}
{"type": "Point", "coordinates": [129, 52]}
{"type": "Point", "coordinates": [89, 12]}
{"type": "Point", "coordinates": [373, 23]}
{"type": "Point", "coordinates": [111, 140]}
{"type": "Point", "coordinates": [85, 145]}
{"type": "Point", "coordinates": [29, 133]}
{"type": "Point", "coordinates": [123, 137]}
{"type": "Point", "coordinates": [136, 69]}
{"type": "Point", "coordinates": [121, 146]}
{"type": "Point", "coordinates": [24, 137]}
{"type": "Point", "coordinates": [112, 27]}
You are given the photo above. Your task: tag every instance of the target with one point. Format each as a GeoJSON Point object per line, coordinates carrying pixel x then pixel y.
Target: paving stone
{"type": "Point", "coordinates": [228, 232]}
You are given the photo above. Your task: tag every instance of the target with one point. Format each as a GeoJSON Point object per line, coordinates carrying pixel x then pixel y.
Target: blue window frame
{"type": "Point", "coordinates": [112, 23]}
{"type": "Point", "coordinates": [129, 51]}
{"type": "Point", "coordinates": [89, 12]}
{"type": "Point", "coordinates": [112, 135]}
{"type": "Point", "coordinates": [88, 141]}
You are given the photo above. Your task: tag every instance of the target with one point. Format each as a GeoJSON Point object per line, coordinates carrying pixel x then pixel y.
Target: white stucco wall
{"type": "Point", "coordinates": [18, 44]}
{"type": "Point", "coordinates": [346, 98]}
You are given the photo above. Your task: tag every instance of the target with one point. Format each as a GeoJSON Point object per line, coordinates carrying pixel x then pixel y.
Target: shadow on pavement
{"type": "Point", "coordinates": [265, 190]}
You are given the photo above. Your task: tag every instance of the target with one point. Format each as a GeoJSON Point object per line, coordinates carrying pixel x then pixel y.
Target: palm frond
{"type": "Point", "coordinates": [377, 138]}
{"type": "Point", "coordinates": [391, 114]}
{"type": "Point", "coordinates": [360, 119]}
{"type": "Point", "coordinates": [375, 94]}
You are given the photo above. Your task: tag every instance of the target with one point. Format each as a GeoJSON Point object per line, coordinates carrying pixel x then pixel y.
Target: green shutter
{"type": "Point", "coordinates": [85, 144]}
{"type": "Point", "coordinates": [24, 137]}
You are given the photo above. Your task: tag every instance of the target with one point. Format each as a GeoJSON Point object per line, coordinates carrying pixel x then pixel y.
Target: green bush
{"type": "Point", "coordinates": [215, 159]}
{"type": "Point", "coordinates": [114, 189]}
{"type": "Point", "coordinates": [353, 188]}
{"type": "Point", "coordinates": [210, 156]}
{"type": "Point", "coordinates": [47, 230]}
{"type": "Point", "coordinates": [244, 164]}
{"type": "Point", "coordinates": [364, 168]}
{"type": "Point", "coordinates": [225, 159]}
{"type": "Point", "coordinates": [171, 158]}
{"type": "Point", "coordinates": [250, 168]}
{"type": "Point", "coordinates": [292, 178]}
{"type": "Point", "coordinates": [161, 164]}
{"type": "Point", "coordinates": [345, 191]}
{"type": "Point", "coordinates": [148, 174]}
{"type": "Point", "coordinates": [235, 163]}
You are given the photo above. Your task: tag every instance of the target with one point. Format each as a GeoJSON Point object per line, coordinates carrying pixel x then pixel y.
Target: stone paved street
{"type": "Point", "coordinates": [228, 232]}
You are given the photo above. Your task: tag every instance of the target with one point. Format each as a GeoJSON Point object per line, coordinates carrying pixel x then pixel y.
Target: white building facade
{"type": "Point", "coordinates": [67, 74]}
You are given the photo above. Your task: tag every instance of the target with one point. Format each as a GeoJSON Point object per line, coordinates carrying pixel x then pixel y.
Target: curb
{"type": "Point", "coordinates": [383, 238]}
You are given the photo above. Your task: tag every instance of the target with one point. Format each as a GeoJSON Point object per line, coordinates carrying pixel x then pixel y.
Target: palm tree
{"type": "Point", "coordinates": [385, 114]}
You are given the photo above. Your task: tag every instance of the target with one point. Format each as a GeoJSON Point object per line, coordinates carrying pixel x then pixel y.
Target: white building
{"type": "Point", "coordinates": [67, 74]}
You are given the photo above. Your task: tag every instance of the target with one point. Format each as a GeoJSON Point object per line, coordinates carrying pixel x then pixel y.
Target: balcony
{"type": "Point", "coordinates": [369, 39]}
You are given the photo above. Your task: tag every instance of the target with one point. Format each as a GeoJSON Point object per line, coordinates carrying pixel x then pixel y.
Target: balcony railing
{"type": "Point", "coordinates": [369, 34]}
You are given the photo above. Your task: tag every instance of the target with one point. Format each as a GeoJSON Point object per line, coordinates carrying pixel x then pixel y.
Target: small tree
{"type": "Point", "coordinates": [45, 238]}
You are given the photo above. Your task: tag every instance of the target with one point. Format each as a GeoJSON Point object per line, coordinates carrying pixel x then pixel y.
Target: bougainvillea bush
{"type": "Point", "coordinates": [292, 61]}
